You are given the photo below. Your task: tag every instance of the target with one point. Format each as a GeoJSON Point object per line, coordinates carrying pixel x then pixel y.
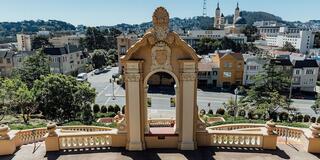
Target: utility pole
{"type": "Point", "coordinates": [204, 12]}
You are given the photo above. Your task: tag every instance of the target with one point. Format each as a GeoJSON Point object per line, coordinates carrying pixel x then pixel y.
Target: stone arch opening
{"type": "Point", "coordinates": [161, 90]}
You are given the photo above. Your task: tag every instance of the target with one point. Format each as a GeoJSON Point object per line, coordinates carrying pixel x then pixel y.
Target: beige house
{"type": "Point", "coordinates": [124, 42]}
{"type": "Point", "coordinates": [6, 64]}
{"type": "Point", "coordinates": [24, 42]}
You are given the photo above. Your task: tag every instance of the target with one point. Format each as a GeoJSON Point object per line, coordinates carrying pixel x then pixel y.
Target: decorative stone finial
{"type": "Point", "coordinates": [51, 127]}
{"type": "Point", "coordinates": [160, 21]}
{"type": "Point", "coordinates": [315, 129]}
{"type": "Point", "coordinates": [270, 127]}
{"type": "Point", "coordinates": [4, 130]}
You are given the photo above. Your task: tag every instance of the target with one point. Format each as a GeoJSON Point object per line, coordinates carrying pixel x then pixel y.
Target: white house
{"type": "Point", "coordinates": [253, 65]}
{"type": "Point", "coordinates": [305, 74]}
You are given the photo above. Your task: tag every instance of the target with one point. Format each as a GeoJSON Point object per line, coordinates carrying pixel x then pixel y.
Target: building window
{"type": "Point", "coordinates": [227, 65]}
{"type": "Point", "coordinates": [8, 60]}
{"type": "Point", "coordinates": [297, 72]}
{"type": "Point", "coordinates": [227, 74]}
{"type": "Point", "coordinates": [309, 71]}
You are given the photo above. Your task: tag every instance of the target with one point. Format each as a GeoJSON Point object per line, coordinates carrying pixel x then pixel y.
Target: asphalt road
{"type": "Point", "coordinates": [161, 103]}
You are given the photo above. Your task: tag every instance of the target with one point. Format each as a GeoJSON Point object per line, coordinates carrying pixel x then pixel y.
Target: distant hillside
{"type": "Point", "coordinates": [251, 17]}
{"type": "Point", "coordinates": [11, 28]}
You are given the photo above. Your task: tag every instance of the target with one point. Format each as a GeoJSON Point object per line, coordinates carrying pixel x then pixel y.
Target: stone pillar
{"type": "Point", "coordinates": [147, 126]}
{"type": "Point", "coordinates": [178, 109]}
{"type": "Point", "coordinates": [314, 140]}
{"type": "Point", "coordinates": [133, 104]}
{"type": "Point", "coordinates": [52, 138]}
{"type": "Point", "coordinates": [7, 144]}
{"type": "Point", "coordinates": [188, 104]}
{"type": "Point", "coordinates": [270, 138]}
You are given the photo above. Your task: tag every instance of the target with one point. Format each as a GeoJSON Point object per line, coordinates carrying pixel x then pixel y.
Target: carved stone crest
{"type": "Point", "coordinates": [160, 21]}
{"type": "Point", "coordinates": [161, 54]}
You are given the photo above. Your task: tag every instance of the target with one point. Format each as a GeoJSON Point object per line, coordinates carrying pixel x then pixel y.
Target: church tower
{"type": "Point", "coordinates": [217, 17]}
{"type": "Point", "coordinates": [236, 14]}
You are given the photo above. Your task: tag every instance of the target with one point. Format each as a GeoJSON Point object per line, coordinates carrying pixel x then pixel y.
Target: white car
{"type": "Point", "coordinates": [82, 77]}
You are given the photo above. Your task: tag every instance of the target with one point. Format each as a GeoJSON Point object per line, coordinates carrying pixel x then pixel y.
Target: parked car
{"type": "Point", "coordinates": [82, 77]}
{"type": "Point", "coordinates": [98, 71]}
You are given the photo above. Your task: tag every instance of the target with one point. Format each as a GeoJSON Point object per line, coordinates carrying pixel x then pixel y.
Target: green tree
{"type": "Point", "coordinates": [61, 97]}
{"type": "Point", "coordinates": [87, 116]}
{"type": "Point", "coordinates": [99, 58]}
{"type": "Point", "coordinates": [251, 32]}
{"type": "Point", "coordinates": [264, 95]}
{"type": "Point", "coordinates": [112, 57]}
{"type": "Point", "coordinates": [33, 68]}
{"type": "Point", "coordinates": [40, 42]}
{"type": "Point", "coordinates": [25, 102]}
{"type": "Point", "coordinates": [288, 47]}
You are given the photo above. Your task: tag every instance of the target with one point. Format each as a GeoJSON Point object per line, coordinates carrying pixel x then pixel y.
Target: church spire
{"type": "Point", "coordinates": [218, 6]}
{"type": "Point", "coordinates": [237, 6]}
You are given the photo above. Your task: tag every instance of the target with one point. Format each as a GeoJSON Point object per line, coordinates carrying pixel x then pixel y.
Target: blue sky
{"type": "Point", "coordinates": [110, 12]}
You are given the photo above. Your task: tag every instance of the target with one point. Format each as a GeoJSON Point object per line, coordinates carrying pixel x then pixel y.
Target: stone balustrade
{"type": "Point", "coordinates": [240, 139]}
{"type": "Point", "coordinates": [30, 136]}
{"type": "Point", "coordinates": [288, 132]}
{"type": "Point", "coordinates": [88, 140]}
{"type": "Point", "coordinates": [161, 122]}
{"type": "Point", "coordinates": [83, 128]}
{"type": "Point", "coordinates": [229, 127]}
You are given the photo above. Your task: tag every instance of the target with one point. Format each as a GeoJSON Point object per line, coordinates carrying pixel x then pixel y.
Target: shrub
{"type": "Point", "coordinates": [96, 108]}
{"type": "Point", "coordinates": [220, 111]}
{"type": "Point", "coordinates": [210, 111]}
{"type": "Point", "coordinates": [283, 116]}
{"type": "Point", "coordinates": [202, 112]}
{"type": "Point", "coordinates": [299, 118]}
{"type": "Point", "coordinates": [87, 115]}
{"type": "Point", "coordinates": [274, 116]}
{"type": "Point", "coordinates": [104, 115]}
{"type": "Point", "coordinates": [313, 119]}
{"type": "Point", "coordinates": [231, 113]}
{"type": "Point", "coordinates": [104, 109]}
{"type": "Point", "coordinates": [306, 118]}
{"type": "Point", "coordinates": [292, 117]}
{"type": "Point", "coordinates": [110, 108]}
{"type": "Point", "coordinates": [242, 113]}
{"type": "Point", "coordinates": [250, 115]}
{"type": "Point", "coordinates": [123, 109]}
{"type": "Point", "coordinates": [117, 108]}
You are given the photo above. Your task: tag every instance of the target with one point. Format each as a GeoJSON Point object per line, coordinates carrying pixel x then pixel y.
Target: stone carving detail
{"type": "Point", "coordinates": [188, 76]}
{"type": "Point", "coordinates": [132, 77]}
{"type": "Point", "coordinates": [160, 21]}
{"type": "Point", "coordinates": [161, 56]}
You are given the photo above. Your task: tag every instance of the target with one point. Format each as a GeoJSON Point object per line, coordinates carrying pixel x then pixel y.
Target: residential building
{"type": "Point", "coordinates": [19, 57]}
{"type": "Point", "coordinates": [6, 64]}
{"type": "Point", "coordinates": [283, 65]}
{"type": "Point", "coordinates": [43, 33]}
{"type": "Point", "coordinates": [253, 65]}
{"type": "Point", "coordinates": [64, 40]}
{"type": "Point", "coordinates": [305, 74]}
{"type": "Point", "coordinates": [24, 42]}
{"type": "Point", "coordinates": [230, 68]}
{"type": "Point", "coordinates": [266, 24]}
{"type": "Point", "coordinates": [195, 36]}
{"type": "Point", "coordinates": [238, 38]}
{"type": "Point", "coordinates": [207, 72]}
{"type": "Point", "coordinates": [287, 55]}
{"type": "Point", "coordinates": [66, 59]}
{"type": "Point", "coordinates": [124, 42]}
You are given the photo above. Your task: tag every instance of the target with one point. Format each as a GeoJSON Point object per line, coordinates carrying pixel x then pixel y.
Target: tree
{"type": "Point", "coordinates": [25, 102]}
{"type": "Point", "coordinates": [99, 58]}
{"type": "Point", "coordinates": [250, 31]}
{"type": "Point", "coordinates": [40, 42]}
{"type": "Point", "coordinates": [264, 96]}
{"type": "Point", "coordinates": [288, 47]}
{"type": "Point", "coordinates": [87, 116]}
{"type": "Point", "coordinates": [33, 68]}
{"type": "Point", "coordinates": [61, 97]}
{"type": "Point", "coordinates": [112, 57]}
{"type": "Point", "coordinates": [96, 108]}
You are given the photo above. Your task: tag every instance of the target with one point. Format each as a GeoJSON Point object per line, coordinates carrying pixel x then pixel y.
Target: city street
{"type": "Point", "coordinates": [161, 103]}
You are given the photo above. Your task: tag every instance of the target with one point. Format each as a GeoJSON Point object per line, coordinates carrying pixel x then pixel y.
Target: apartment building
{"type": "Point", "coordinates": [305, 74]}
{"type": "Point", "coordinates": [24, 42]}
{"type": "Point", "coordinates": [253, 65]}
{"type": "Point", "coordinates": [6, 64]}
{"type": "Point", "coordinates": [124, 42]}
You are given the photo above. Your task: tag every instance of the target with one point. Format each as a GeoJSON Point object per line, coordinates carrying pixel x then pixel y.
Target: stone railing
{"type": "Point", "coordinates": [83, 128]}
{"type": "Point", "coordinates": [161, 122]}
{"type": "Point", "coordinates": [289, 132]}
{"type": "Point", "coordinates": [229, 127]}
{"type": "Point", "coordinates": [30, 136]}
{"type": "Point", "coordinates": [237, 139]}
{"type": "Point", "coordinates": [87, 140]}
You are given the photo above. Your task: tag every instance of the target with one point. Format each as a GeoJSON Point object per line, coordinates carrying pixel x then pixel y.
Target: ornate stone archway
{"type": "Point", "coordinates": [160, 50]}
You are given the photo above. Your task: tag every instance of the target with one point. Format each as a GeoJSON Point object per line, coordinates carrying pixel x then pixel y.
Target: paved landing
{"type": "Point", "coordinates": [209, 153]}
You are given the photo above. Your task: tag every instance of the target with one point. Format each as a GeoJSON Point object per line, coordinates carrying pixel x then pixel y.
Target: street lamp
{"type": "Point", "coordinates": [236, 92]}
{"type": "Point", "coordinates": [114, 76]}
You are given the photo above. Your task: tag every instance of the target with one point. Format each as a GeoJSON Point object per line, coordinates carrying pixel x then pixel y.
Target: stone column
{"type": "Point", "coordinates": [314, 140]}
{"type": "Point", "coordinates": [7, 144]}
{"type": "Point", "coordinates": [269, 138]}
{"type": "Point", "coordinates": [146, 127]}
{"type": "Point", "coordinates": [188, 104]}
{"type": "Point", "coordinates": [52, 138]}
{"type": "Point", "coordinates": [133, 104]}
{"type": "Point", "coordinates": [178, 109]}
